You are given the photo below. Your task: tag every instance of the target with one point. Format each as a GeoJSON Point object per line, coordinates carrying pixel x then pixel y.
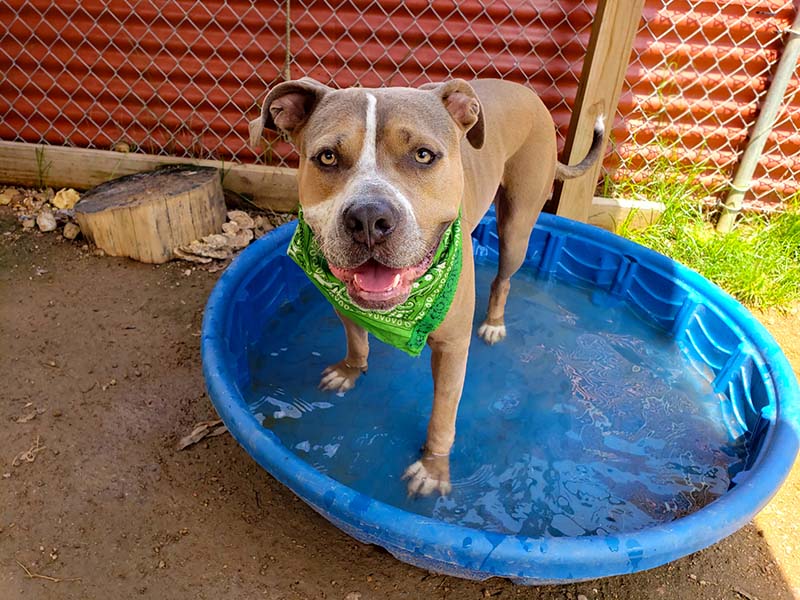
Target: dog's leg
{"type": "Point", "coordinates": [449, 349]}
{"type": "Point", "coordinates": [518, 204]}
{"type": "Point", "coordinates": [342, 376]}
{"type": "Point", "coordinates": [432, 472]}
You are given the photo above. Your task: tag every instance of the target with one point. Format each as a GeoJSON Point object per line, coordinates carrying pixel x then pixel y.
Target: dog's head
{"type": "Point", "coordinates": [380, 175]}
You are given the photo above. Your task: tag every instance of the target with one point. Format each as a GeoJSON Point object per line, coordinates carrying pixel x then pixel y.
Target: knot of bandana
{"type": "Point", "coordinates": [407, 325]}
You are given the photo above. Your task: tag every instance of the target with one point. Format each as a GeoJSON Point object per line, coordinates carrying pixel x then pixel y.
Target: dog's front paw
{"type": "Point", "coordinates": [340, 377]}
{"type": "Point", "coordinates": [427, 475]}
{"type": "Point", "coordinates": [491, 334]}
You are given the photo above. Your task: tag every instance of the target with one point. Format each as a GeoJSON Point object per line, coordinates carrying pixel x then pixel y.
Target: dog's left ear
{"type": "Point", "coordinates": [462, 103]}
{"type": "Point", "coordinates": [287, 107]}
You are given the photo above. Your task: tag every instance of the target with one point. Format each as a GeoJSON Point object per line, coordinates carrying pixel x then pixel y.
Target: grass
{"type": "Point", "coordinates": [42, 167]}
{"type": "Point", "coordinates": [758, 262]}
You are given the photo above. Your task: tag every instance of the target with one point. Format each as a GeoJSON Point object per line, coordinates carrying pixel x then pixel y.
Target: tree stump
{"type": "Point", "coordinates": [146, 216]}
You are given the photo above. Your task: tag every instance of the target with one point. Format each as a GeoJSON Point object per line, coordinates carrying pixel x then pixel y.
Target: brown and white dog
{"type": "Point", "coordinates": [382, 174]}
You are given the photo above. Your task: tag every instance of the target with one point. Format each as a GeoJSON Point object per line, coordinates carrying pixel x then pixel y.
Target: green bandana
{"type": "Point", "coordinates": [407, 325]}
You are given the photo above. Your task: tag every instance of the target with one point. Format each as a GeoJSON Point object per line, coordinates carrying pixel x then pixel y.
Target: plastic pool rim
{"type": "Point", "coordinates": [475, 554]}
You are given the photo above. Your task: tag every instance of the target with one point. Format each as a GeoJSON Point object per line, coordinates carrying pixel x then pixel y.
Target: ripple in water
{"type": "Point", "coordinates": [583, 421]}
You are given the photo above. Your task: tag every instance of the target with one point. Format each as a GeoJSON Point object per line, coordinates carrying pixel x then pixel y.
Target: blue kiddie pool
{"type": "Point", "coordinates": [634, 414]}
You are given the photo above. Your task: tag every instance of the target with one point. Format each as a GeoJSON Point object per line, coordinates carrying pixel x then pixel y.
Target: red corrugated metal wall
{"type": "Point", "coordinates": [183, 77]}
{"type": "Point", "coordinates": [698, 72]}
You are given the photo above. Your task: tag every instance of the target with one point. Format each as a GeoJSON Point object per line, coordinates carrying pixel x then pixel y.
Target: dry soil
{"type": "Point", "coordinates": [100, 366]}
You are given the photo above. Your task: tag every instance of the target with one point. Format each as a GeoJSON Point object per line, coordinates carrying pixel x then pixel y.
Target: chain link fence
{"type": "Point", "coordinates": [698, 73]}
{"type": "Point", "coordinates": [183, 78]}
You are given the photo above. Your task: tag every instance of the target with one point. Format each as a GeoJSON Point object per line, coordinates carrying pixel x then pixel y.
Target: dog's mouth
{"type": "Point", "coordinates": [375, 286]}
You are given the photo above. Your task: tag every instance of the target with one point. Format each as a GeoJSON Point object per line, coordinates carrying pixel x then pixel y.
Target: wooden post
{"type": "Point", "coordinates": [147, 215]}
{"type": "Point", "coordinates": [607, 58]}
{"type": "Point", "coordinates": [271, 188]}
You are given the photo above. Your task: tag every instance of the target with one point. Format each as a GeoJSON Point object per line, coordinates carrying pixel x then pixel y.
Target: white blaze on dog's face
{"type": "Point", "coordinates": [380, 175]}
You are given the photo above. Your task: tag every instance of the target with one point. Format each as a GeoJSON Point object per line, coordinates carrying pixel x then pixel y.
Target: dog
{"type": "Point", "coordinates": [383, 173]}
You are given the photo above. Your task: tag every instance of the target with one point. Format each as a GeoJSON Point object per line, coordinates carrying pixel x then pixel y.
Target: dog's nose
{"type": "Point", "coordinates": [370, 222]}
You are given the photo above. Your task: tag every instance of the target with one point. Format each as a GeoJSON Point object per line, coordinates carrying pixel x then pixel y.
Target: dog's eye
{"type": "Point", "coordinates": [327, 158]}
{"type": "Point", "coordinates": [424, 156]}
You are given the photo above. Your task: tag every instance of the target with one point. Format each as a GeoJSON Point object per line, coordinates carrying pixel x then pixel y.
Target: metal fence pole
{"type": "Point", "coordinates": [762, 129]}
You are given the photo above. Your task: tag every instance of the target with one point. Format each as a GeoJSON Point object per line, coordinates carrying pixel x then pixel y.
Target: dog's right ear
{"type": "Point", "coordinates": [287, 108]}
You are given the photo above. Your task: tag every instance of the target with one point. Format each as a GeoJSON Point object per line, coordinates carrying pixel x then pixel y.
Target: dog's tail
{"type": "Point", "coordinates": [570, 172]}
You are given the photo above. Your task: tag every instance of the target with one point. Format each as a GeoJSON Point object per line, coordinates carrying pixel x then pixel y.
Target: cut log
{"type": "Point", "coordinates": [147, 215]}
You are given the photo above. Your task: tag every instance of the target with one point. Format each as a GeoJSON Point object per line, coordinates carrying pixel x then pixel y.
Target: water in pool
{"type": "Point", "coordinates": [584, 420]}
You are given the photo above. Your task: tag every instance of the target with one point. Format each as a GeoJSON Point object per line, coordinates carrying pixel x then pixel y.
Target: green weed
{"type": "Point", "coordinates": [758, 262]}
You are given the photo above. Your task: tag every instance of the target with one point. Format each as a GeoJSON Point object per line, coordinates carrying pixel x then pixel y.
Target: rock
{"type": "Point", "coordinates": [216, 240]}
{"type": "Point", "coordinates": [28, 222]}
{"type": "Point", "coordinates": [240, 239]}
{"type": "Point", "coordinates": [9, 196]}
{"type": "Point", "coordinates": [242, 219]}
{"type": "Point", "coordinates": [191, 257]}
{"type": "Point", "coordinates": [43, 195]}
{"type": "Point", "coordinates": [231, 227]}
{"type": "Point", "coordinates": [199, 248]}
{"type": "Point", "coordinates": [46, 221]}
{"type": "Point", "coordinates": [263, 226]}
{"type": "Point", "coordinates": [353, 596]}
{"type": "Point", "coordinates": [65, 198]}
{"type": "Point", "coordinates": [71, 231]}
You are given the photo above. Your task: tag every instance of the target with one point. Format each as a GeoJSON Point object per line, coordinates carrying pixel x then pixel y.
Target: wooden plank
{"type": "Point", "coordinates": [610, 213]}
{"type": "Point", "coordinates": [603, 72]}
{"type": "Point", "coordinates": [270, 188]}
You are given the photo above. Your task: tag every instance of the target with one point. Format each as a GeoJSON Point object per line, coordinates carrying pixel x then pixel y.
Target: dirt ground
{"type": "Point", "coordinates": [100, 362]}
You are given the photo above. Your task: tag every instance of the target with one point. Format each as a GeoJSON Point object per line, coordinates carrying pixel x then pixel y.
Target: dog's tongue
{"type": "Point", "coordinates": [375, 277]}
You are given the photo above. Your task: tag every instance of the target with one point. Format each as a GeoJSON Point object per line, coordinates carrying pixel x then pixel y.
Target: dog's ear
{"type": "Point", "coordinates": [462, 103]}
{"type": "Point", "coordinates": [287, 107]}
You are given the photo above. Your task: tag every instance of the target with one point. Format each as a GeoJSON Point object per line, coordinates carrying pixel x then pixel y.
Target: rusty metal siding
{"type": "Point", "coordinates": [698, 72]}
{"type": "Point", "coordinates": [183, 77]}
{"type": "Point", "coordinates": [410, 43]}
{"type": "Point", "coordinates": [168, 76]}
{"type": "Point", "coordinates": [173, 77]}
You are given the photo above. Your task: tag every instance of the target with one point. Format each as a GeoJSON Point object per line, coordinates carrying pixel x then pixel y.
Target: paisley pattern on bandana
{"type": "Point", "coordinates": [407, 325]}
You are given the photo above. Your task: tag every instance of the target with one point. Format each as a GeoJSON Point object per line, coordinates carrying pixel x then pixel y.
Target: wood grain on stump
{"type": "Point", "coordinates": [146, 215]}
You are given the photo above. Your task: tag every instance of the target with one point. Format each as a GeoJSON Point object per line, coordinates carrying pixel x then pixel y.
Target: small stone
{"type": "Point", "coordinates": [44, 195]}
{"type": "Point", "coordinates": [71, 231]}
{"type": "Point", "coordinates": [242, 219]}
{"type": "Point", "coordinates": [162, 564]}
{"type": "Point", "coordinates": [190, 257]}
{"type": "Point", "coordinates": [46, 221]}
{"type": "Point", "coordinates": [65, 198]}
{"type": "Point", "coordinates": [99, 252]}
{"type": "Point", "coordinates": [216, 240]}
{"type": "Point", "coordinates": [582, 597]}
{"type": "Point", "coordinates": [231, 227]}
{"type": "Point", "coordinates": [28, 223]}
{"type": "Point", "coordinates": [263, 226]}
{"type": "Point", "coordinates": [353, 596]}
{"type": "Point", "coordinates": [240, 239]}
{"type": "Point", "coordinates": [9, 195]}
{"type": "Point", "coordinates": [202, 249]}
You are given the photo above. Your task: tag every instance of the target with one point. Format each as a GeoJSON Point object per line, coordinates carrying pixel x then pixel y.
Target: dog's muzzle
{"type": "Point", "coordinates": [370, 222]}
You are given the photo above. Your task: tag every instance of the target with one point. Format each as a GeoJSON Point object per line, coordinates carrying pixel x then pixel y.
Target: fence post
{"type": "Point", "coordinates": [603, 72]}
{"type": "Point", "coordinates": [767, 117]}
